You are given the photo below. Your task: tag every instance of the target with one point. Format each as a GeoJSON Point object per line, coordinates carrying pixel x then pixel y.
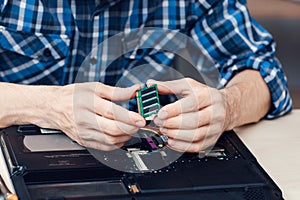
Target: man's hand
{"type": "Point", "coordinates": [86, 113]}
{"type": "Point", "coordinates": [194, 122]}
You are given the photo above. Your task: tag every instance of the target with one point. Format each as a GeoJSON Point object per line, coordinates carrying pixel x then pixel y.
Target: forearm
{"type": "Point", "coordinates": [23, 104]}
{"type": "Point", "coordinates": [247, 99]}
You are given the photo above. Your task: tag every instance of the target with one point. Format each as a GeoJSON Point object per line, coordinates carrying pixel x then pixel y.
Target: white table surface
{"type": "Point", "coordinates": [275, 144]}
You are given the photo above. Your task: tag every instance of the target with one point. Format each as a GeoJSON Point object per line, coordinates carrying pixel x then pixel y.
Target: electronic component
{"type": "Point", "coordinates": [151, 143]}
{"type": "Point", "coordinates": [157, 140]}
{"type": "Point", "coordinates": [216, 152]}
{"type": "Point", "coordinates": [148, 102]}
{"type": "Point", "coordinates": [135, 154]}
{"type": "Point", "coordinates": [164, 138]}
{"type": "Point", "coordinates": [139, 169]}
{"type": "Point", "coordinates": [149, 153]}
{"type": "Point", "coordinates": [134, 189]}
{"type": "Point", "coordinates": [153, 138]}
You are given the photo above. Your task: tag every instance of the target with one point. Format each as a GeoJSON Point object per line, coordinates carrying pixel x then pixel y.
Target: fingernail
{"type": "Point", "coordinates": [162, 115]}
{"type": "Point", "coordinates": [139, 123]}
{"type": "Point", "coordinates": [150, 82]}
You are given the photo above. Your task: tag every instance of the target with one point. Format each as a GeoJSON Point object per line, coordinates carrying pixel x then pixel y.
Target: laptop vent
{"type": "Point", "coordinates": [254, 194]}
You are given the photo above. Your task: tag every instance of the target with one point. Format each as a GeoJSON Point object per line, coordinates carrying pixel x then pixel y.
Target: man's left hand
{"type": "Point", "coordinates": [194, 122]}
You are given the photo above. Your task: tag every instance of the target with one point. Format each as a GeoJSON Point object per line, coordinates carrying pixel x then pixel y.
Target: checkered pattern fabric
{"type": "Point", "coordinates": [46, 41]}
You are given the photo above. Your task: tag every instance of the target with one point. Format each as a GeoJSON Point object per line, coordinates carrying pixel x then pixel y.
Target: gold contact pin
{"type": "Point", "coordinates": [134, 189]}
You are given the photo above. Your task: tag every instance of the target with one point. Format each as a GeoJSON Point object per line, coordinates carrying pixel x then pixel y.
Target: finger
{"type": "Point", "coordinates": [180, 86]}
{"type": "Point", "coordinates": [195, 135]}
{"type": "Point", "coordinates": [191, 120]}
{"type": "Point", "coordinates": [182, 146]}
{"type": "Point", "coordinates": [197, 100]}
{"type": "Point", "coordinates": [184, 105]}
{"type": "Point", "coordinates": [116, 93]}
{"type": "Point", "coordinates": [113, 111]}
{"type": "Point", "coordinates": [92, 135]}
{"type": "Point", "coordinates": [115, 128]}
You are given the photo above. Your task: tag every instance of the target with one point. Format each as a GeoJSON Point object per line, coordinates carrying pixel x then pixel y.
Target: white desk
{"type": "Point", "coordinates": [276, 145]}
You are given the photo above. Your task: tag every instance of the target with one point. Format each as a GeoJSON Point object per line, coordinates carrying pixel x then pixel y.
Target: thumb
{"type": "Point", "coordinates": [180, 86]}
{"type": "Point", "coordinates": [117, 93]}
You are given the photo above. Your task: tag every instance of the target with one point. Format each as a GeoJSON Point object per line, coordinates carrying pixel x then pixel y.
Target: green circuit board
{"type": "Point", "coordinates": [148, 102]}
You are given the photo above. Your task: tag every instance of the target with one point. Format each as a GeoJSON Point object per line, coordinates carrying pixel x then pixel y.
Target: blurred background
{"type": "Point", "coordinates": [282, 19]}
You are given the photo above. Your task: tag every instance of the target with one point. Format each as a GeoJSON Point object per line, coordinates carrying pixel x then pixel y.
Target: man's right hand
{"type": "Point", "coordinates": [84, 111]}
{"type": "Point", "coordinates": [87, 114]}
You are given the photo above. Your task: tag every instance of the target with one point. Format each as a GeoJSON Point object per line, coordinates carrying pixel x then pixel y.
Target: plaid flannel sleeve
{"type": "Point", "coordinates": [236, 42]}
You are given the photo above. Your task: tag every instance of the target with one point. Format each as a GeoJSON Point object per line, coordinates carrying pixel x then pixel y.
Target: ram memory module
{"type": "Point", "coordinates": [148, 102]}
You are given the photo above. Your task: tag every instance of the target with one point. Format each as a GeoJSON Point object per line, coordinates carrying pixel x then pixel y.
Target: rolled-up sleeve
{"type": "Point", "coordinates": [235, 42]}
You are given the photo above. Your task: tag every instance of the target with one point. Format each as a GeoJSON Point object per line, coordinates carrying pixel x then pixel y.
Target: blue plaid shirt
{"type": "Point", "coordinates": [45, 42]}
